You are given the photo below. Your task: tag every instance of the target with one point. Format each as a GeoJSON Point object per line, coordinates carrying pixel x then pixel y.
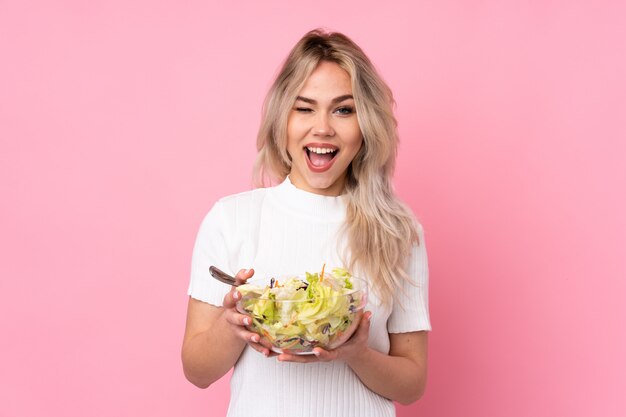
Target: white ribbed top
{"type": "Point", "coordinates": [286, 231]}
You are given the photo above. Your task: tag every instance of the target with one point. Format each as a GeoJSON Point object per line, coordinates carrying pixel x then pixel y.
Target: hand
{"type": "Point", "coordinates": [353, 348]}
{"type": "Point", "coordinates": [239, 321]}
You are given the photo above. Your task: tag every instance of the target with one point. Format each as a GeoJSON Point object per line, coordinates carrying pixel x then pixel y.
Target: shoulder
{"type": "Point", "coordinates": [245, 195]}
{"type": "Point", "coordinates": [246, 199]}
{"type": "Point", "coordinates": [419, 229]}
{"type": "Point", "coordinates": [228, 221]}
{"type": "Point", "coordinates": [236, 213]}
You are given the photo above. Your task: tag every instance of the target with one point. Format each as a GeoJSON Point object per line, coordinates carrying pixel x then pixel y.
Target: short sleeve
{"type": "Point", "coordinates": [211, 248]}
{"type": "Point", "coordinates": [410, 311]}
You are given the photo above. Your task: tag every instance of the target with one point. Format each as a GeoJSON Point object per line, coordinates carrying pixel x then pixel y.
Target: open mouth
{"type": "Point", "coordinates": [320, 158]}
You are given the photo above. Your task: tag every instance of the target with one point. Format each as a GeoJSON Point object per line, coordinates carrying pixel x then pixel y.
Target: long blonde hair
{"type": "Point", "coordinates": [380, 229]}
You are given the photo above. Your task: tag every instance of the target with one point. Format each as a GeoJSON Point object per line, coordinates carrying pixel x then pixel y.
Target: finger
{"type": "Point", "coordinates": [286, 357]}
{"type": "Point", "coordinates": [266, 343]}
{"type": "Point", "coordinates": [243, 275]}
{"type": "Point", "coordinates": [231, 298]}
{"type": "Point", "coordinates": [360, 337]}
{"type": "Point", "coordinates": [261, 349]}
{"type": "Point", "coordinates": [237, 319]}
{"type": "Point", "coordinates": [362, 332]}
{"type": "Point", "coordinates": [325, 355]}
{"type": "Point", "coordinates": [364, 325]}
{"type": "Point", "coordinates": [247, 336]}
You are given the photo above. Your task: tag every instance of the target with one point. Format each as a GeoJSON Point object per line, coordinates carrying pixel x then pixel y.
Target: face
{"type": "Point", "coordinates": [323, 134]}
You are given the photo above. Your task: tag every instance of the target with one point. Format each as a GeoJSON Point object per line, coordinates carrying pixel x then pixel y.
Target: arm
{"type": "Point", "coordinates": [214, 338]}
{"type": "Point", "coordinates": [210, 346]}
{"type": "Point", "coordinates": [399, 376]}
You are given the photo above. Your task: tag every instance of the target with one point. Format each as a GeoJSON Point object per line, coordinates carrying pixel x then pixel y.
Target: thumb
{"type": "Point", "coordinates": [367, 316]}
{"type": "Point", "coordinates": [365, 321]}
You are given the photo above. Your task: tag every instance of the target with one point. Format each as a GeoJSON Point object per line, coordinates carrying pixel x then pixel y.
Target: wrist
{"type": "Point", "coordinates": [357, 358]}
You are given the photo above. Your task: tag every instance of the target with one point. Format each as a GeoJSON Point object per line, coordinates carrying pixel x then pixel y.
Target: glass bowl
{"type": "Point", "coordinates": [325, 318]}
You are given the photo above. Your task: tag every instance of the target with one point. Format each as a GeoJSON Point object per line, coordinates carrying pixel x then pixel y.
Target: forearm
{"type": "Point", "coordinates": [209, 355]}
{"type": "Point", "coordinates": [397, 378]}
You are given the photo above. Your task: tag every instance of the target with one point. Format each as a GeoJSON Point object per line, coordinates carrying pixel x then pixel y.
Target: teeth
{"type": "Point", "coordinates": [320, 150]}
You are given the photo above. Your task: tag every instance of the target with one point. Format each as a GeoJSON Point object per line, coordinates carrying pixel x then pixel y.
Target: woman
{"type": "Point", "coordinates": [328, 136]}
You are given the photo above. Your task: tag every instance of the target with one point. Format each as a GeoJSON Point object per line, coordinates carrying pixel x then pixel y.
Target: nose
{"type": "Point", "coordinates": [323, 126]}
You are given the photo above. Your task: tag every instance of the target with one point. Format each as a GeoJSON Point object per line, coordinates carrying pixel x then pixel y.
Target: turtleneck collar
{"type": "Point", "coordinates": [309, 205]}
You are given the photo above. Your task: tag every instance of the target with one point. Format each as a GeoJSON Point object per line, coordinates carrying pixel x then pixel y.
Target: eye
{"type": "Point", "coordinates": [345, 110]}
{"type": "Point", "coordinates": [303, 109]}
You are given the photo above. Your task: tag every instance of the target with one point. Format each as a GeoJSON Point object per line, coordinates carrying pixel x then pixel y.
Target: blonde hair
{"type": "Point", "coordinates": [380, 229]}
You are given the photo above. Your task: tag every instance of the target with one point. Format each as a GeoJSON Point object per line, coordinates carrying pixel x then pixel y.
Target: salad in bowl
{"type": "Point", "coordinates": [300, 313]}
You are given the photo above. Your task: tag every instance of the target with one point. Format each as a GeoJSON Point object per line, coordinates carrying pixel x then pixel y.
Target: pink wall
{"type": "Point", "coordinates": [121, 122]}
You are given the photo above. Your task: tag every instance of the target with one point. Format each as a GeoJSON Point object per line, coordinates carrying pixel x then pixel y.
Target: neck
{"type": "Point", "coordinates": [334, 190]}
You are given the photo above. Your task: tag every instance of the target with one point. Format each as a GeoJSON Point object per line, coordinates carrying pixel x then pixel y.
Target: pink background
{"type": "Point", "coordinates": [121, 122]}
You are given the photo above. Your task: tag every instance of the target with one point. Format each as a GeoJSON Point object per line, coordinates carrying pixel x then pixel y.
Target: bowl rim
{"type": "Point", "coordinates": [363, 289]}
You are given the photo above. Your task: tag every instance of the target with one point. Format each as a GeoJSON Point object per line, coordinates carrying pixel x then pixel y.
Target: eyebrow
{"type": "Point", "coordinates": [334, 101]}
